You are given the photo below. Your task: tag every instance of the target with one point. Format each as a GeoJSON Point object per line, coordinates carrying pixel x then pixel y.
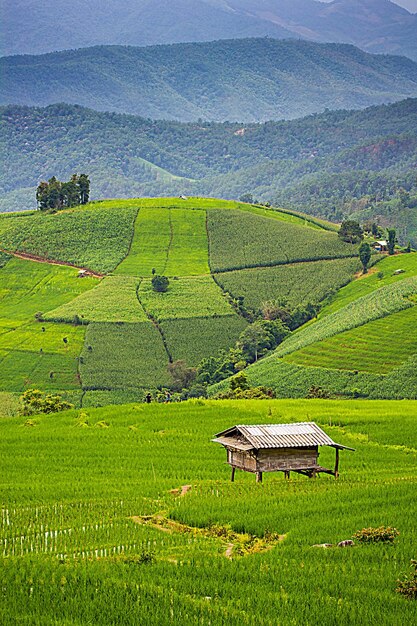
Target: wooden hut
{"type": "Point", "coordinates": [278, 448]}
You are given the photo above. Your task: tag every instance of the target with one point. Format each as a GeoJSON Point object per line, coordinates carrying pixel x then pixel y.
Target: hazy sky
{"type": "Point", "coordinates": [411, 5]}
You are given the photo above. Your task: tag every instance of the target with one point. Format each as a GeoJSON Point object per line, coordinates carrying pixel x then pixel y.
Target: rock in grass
{"type": "Point", "coordinates": [323, 545]}
{"type": "Point", "coordinates": [345, 544]}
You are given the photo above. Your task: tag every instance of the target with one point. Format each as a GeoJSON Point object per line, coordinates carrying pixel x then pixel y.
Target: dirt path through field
{"type": "Point", "coordinates": [38, 259]}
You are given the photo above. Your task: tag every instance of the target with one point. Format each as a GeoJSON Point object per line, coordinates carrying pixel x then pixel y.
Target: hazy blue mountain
{"type": "Point", "coordinates": [246, 80]}
{"type": "Point", "coordinates": [333, 164]}
{"type": "Point", "coordinates": [38, 26]}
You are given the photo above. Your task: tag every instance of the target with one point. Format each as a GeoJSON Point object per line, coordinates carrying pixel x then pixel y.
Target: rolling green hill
{"type": "Point", "coordinates": [362, 344]}
{"type": "Point", "coordinates": [248, 80]}
{"type": "Point", "coordinates": [110, 333]}
{"type": "Point", "coordinates": [331, 165]}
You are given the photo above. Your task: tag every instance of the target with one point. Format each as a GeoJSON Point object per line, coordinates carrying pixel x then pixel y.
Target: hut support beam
{"type": "Point", "coordinates": [258, 477]}
{"type": "Point", "coordinates": [336, 465]}
{"type": "Point", "coordinates": [287, 474]}
{"type": "Point", "coordinates": [232, 478]}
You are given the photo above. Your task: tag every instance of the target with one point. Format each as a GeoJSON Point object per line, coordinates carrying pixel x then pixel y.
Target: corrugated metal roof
{"type": "Point", "coordinates": [301, 434]}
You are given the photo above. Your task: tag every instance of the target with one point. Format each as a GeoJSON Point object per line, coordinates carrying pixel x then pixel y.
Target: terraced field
{"type": "Point", "coordinates": [295, 283]}
{"type": "Point", "coordinates": [34, 353]}
{"type": "Point", "coordinates": [98, 531]}
{"type": "Point", "coordinates": [132, 331]}
{"type": "Point", "coordinates": [243, 240]}
{"type": "Point", "coordinates": [378, 346]}
{"type": "Point", "coordinates": [363, 343]}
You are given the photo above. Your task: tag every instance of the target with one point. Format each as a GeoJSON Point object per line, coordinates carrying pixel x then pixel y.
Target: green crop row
{"type": "Point", "coordinates": [378, 347]}
{"type": "Point", "coordinates": [297, 284]}
{"type": "Point", "coordinates": [376, 305]}
{"type": "Point", "coordinates": [194, 339]}
{"type": "Point", "coordinates": [240, 239]}
{"type": "Point", "coordinates": [198, 296]}
{"type": "Point", "coordinates": [114, 299]}
{"type": "Point", "coordinates": [92, 237]}
{"type": "Point", "coordinates": [123, 356]}
{"type": "Point", "coordinates": [74, 485]}
{"type": "Point", "coordinates": [170, 242]}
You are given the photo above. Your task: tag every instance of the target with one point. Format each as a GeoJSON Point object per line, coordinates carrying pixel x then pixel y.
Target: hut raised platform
{"type": "Point", "coordinates": [278, 448]}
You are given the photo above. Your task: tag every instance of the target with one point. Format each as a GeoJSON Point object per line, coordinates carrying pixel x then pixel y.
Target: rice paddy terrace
{"type": "Point", "coordinates": [109, 336]}
{"type": "Point", "coordinates": [126, 515]}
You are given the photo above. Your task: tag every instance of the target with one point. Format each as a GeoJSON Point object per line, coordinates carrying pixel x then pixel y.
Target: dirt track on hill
{"type": "Point", "coordinates": [38, 259]}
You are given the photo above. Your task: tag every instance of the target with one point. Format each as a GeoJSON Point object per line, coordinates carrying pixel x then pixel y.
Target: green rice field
{"type": "Point", "coordinates": [75, 548]}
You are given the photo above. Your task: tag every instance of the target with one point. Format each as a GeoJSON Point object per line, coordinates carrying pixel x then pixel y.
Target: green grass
{"type": "Point", "coordinates": [378, 347]}
{"type": "Point", "coordinates": [114, 299]}
{"type": "Point", "coordinates": [94, 237]}
{"type": "Point", "coordinates": [194, 339]}
{"type": "Point", "coordinates": [27, 288]}
{"type": "Point", "coordinates": [34, 353]}
{"type": "Point", "coordinates": [70, 491]}
{"type": "Point", "coordinates": [298, 284]}
{"type": "Point", "coordinates": [186, 297]}
{"type": "Point", "coordinates": [372, 281]}
{"type": "Point", "coordinates": [170, 241]}
{"type": "Point", "coordinates": [30, 357]}
{"type": "Point", "coordinates": [188, 253]}
{"type": "Point", "coordinates": [240, 239]}
{"type": "Point", "coordinates": [123, 357]}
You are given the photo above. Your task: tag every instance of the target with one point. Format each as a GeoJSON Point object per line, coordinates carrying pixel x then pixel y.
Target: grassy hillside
{"type": "Point", "coordinates": [247, 80]}
{"type": "Point", "coordinates": [116, 336]}
{"type": "Point", "coordinates": [331, 165]}
{"type": "Point", "coordinates": [362, 344]}
{"type": "Point", "coordinates": [72, 539]}
{"type": "Point", "coordinates": [121, 334]}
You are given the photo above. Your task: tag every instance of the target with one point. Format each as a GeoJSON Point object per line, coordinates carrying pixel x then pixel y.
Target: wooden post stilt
{"type": "Point", "coordinates": [287, 474]}
{"type": "Point", "coordinates": [336, 465]}
{"type": "Point", "coordinates": [258, 477]}
{"type": "Point", "coordinates": [233, 475]}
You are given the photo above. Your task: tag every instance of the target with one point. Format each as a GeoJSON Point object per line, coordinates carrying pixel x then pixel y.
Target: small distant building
{"type": "Point", "coordinates": [380, 246]}
{"type": "Point", "coordinates": [82, 273]}
{"type": "Point", "coordinates": [397, 272]}
{"type": "Point", "coordinates": [278, 448]}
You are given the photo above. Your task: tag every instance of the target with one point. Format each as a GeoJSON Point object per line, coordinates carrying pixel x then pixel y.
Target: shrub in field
{"type": "Point", "coordinates": [253, 393]}
{"type": "Point", "coordinates": [383, 534]}
{"type": "Point", "coordinates": [160, 283]}
{"type": "Point", "coordinates": [34, 401]}
{"type": "Point", "coordinates": [317, 392]}
{"type": "Point", "coordinates": [182, 375]}
{"type": "Point", "coordinates": [407, 586]}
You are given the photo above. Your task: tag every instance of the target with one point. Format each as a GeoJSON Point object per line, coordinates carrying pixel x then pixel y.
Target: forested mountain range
{"type": "Point", "coordinates": [237, 80]}
{"type": "Point", "coordinates": [33, 27]}
{"type": "Point", "coordinates": [333, 164]}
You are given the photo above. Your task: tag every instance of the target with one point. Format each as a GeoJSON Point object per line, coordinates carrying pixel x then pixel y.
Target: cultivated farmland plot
{"type": "Point", "coordinates": [84, 541]}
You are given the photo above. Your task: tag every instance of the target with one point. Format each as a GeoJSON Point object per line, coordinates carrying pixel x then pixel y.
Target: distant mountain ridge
{"type": "Point", "coordinates": [247, 80]}
{"type": "Point", "coordinates": [34, 28]}
{"type": "Point", "coordinates": [335, 164]}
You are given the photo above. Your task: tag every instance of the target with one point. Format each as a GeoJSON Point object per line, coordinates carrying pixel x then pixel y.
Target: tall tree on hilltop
{"type": "Point", "coordinates": [84, 188]}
